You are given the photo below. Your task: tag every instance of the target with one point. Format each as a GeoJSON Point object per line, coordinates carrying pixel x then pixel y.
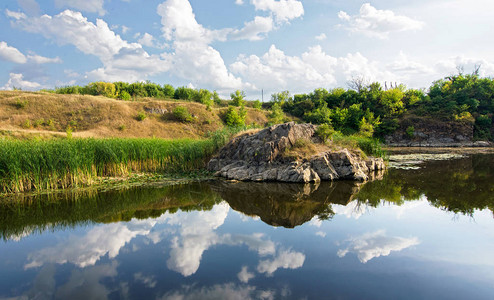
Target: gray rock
{"type": "Point", "coordinates": [259, 157]}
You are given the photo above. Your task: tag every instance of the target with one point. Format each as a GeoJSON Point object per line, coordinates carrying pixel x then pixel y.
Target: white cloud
{"type": "Point", "coordinates": [378, 23]}
{"type": "Point", "coordinates": [121, 60]}
{"type": "Point", "coordinates": [253, 30]}
{"type": "Point", "coordinates": [17, 81]}
{"type": "Point", "coordinates": [283, 10]}
{"type": "Point", "coordinates": [125, 29]}
{"type": "Point", "coordinates": [277, 71]}
{"type": "Point", "coordinates": [244, 275]}
{"type": "Point", "coordinates": [239, 2]}
{"type": "Point", "coordinates": [9, 53]}
{"type": "Point", "coordinates": [15, 15]}
{"type": "Point", "coordinates": [285, 259]}
{"type": "Point", "coordinates": [354, 209]}
{"type": "Point", "coordinates": [148, 281]}
{"type": "Point", "coordinates": [71, 27]}
{"type": "Point", "coordinates": [193, 57]}
{"type": "Point", "coordinates": [86, 283]}
{"type": "Point", "coordinates": [321, 37]}
{"type": "Point", "coordinates": [147, 40]}
{"type": "Point", "coordinates": [88, 249]}
{"type": "Point", "coordinates": [372, 245]}
{"type": "Point", "coordinates": [92, 6]}
{"type": "Point", "coordinates": [37, 59]}
{"type": "Point", "coordinates": [196, 235]}
{"type": "Point", "coordinates": [321, 234]}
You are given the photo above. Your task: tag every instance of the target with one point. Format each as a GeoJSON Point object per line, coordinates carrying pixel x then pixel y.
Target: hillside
{"type": "Point", "coordinates": [28, 114]}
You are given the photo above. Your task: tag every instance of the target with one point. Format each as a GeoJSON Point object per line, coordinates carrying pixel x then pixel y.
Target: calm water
{"type": "Point", "coordinates": [425, 231]}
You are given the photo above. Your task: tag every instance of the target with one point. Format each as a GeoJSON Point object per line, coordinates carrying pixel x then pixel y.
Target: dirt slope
{"type": "Point", "coordinates": [27, 114]}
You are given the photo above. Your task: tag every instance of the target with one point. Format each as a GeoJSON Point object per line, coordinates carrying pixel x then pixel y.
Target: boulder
{"type": "Point", "coordinates": [260, 157]}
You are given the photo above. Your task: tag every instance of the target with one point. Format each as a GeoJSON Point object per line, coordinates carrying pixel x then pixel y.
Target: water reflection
{"type": "Point", "coordinates": [185, 241]}
{"type": "Point", "coordinates": [375, 244]}
{"type": "Point", "coordinates": [287, 205]}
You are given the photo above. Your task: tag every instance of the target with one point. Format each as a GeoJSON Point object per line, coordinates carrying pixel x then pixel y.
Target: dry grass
{"type": "Point", "coordinates": [45, 115]}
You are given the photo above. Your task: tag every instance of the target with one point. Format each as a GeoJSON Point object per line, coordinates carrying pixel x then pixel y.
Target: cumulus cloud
{"type": "Point", "coordinates": [196, 235]}
{"type": "Point", "coordinates": [244, 275]}
{"type": "Point", "coordinates": [312, 69]}
{"type": "Point", "coordinates": [372, 245]}
{"type": "Point", "coordinates": [148, 281]}
{"type": "Point", "coordinates": [321, 37]}
{"type": "Point", "coordinates": [147, 40]}
{"type": "Point", "coordinates": [193, 57]}
{"type": "Point", "coordinates": [17, 81]}
{"type": "Point", "coordinates": [121, 60]}
{"type": "Point", "coordinates": [354, 209]}
{"type": "Point", "coordinates": [285, 259]}
{"type": "Point", "coordinates": [86, 283]}
{"type": "Point", "coordinates": [239, 2]}
{"type": "Point", "coordinates": [37, 59]}
{"type": "Point", "coordinates": [377, 23]}
{"type": "Point", "coordinates": [92, 6]}
{"type": "Point", "coordinates": [283, 10]}
{"type": "Point", "coordinates": [11, 54]}
{"type": "Point", "coordinates": [15, 15]}
{"type": "Point", "coordinates": [254, 30]}
{"type": "Point", "coordinates": [88, 249]}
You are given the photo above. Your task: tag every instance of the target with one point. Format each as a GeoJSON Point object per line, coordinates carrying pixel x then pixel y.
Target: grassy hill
{"type": "Point", "coordinates": [46, 115]}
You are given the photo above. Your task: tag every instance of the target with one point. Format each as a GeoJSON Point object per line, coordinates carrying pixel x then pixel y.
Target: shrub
{"type": "Point", "coordinates": [141, 116]}
{"type": "Point", "coordinates": [106, 89]}
{"type": "Point", "coordinates": [325, 132]}
{"type": "Point", "coordinates": [21, 103]}
{"type": "Point", "coordinates": [276, 116]}
{"type": "Point", "coordinates": [238, 98]}
{"type": "Point", "coordinates": [257, 105]}
{"type": "Point", "coordinates": [410, 131]}
{"type": "Point", "coordinates": [234, 118]}
{"type": "Point", "coordinates": [168, 90]}
{"type": "Point", "coordinates": [184, 93]}
{"type": "Point", "coordinates": [26, 124]}
{"type": "Point", "coordinates": [124, 95]}
{"type": "Point", "coordinates": [181, 113]}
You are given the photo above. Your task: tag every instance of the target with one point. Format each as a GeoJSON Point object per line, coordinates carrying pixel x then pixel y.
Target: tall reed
{"type": "Point", "coordinates": [49, 164]}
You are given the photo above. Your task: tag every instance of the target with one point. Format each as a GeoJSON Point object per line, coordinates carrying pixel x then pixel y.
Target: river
{"type": "Point", "coordinates": [425, 230]}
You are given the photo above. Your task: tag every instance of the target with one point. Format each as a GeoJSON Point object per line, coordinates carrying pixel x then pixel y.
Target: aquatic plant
{"type": "Point", "coordinates": [61, 163]}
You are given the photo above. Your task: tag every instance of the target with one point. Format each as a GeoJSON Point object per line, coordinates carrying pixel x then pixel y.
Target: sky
{"type": "Point", "coordinates": [249, 45]}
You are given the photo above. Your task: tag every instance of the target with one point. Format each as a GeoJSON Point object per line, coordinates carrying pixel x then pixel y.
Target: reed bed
{"type": "Point", "coordinates": [51, 164]}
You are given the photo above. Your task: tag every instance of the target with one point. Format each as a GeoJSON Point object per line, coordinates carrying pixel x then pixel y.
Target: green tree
{"type": "Point", "coordinates": [238, 98]}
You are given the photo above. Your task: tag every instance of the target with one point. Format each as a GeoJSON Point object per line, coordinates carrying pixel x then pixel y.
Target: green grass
{"type": "Point", "coordinates": [369, 146]}
{"type": "Point", "coordinates": [61, 163]}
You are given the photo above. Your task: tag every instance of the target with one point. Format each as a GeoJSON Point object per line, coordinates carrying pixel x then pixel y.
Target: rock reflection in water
{"type": "Point", "coordinates": [285, 204]}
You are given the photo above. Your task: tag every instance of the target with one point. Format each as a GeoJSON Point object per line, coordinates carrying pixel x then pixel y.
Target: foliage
{"type": "Point", "coordinates": [184, 93]}
{"type": "Point", "coordinates": [281, 97]}
{"type": "Point", "coordinates": [325, 132]}
{"type": "Point", "coordinates": [410, 131]}
{"type": "Point", "coordinates": [238, 98]}
{"type": "Point", "coordinates": [257, 105]}
{"type": "Point", "coordinates": [141, 116]}
{"type": "Point", "coordinates": [235, 117]}
{"type": "Point", "coordinates": [276, 116]}
{"type": "Point", "coordinates": [106, 89]}
{"type": "Point", "coordinates": [181, 113]}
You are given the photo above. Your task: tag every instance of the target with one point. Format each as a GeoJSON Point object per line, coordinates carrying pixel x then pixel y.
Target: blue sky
{"type": "Point", "coordinates": [250, 45]}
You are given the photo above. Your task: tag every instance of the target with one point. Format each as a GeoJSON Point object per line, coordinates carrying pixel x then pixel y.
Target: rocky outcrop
{"type": "Point", "coordinates": [416, 131]}
{"type": "Point", "coordinates": [260, 157]}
